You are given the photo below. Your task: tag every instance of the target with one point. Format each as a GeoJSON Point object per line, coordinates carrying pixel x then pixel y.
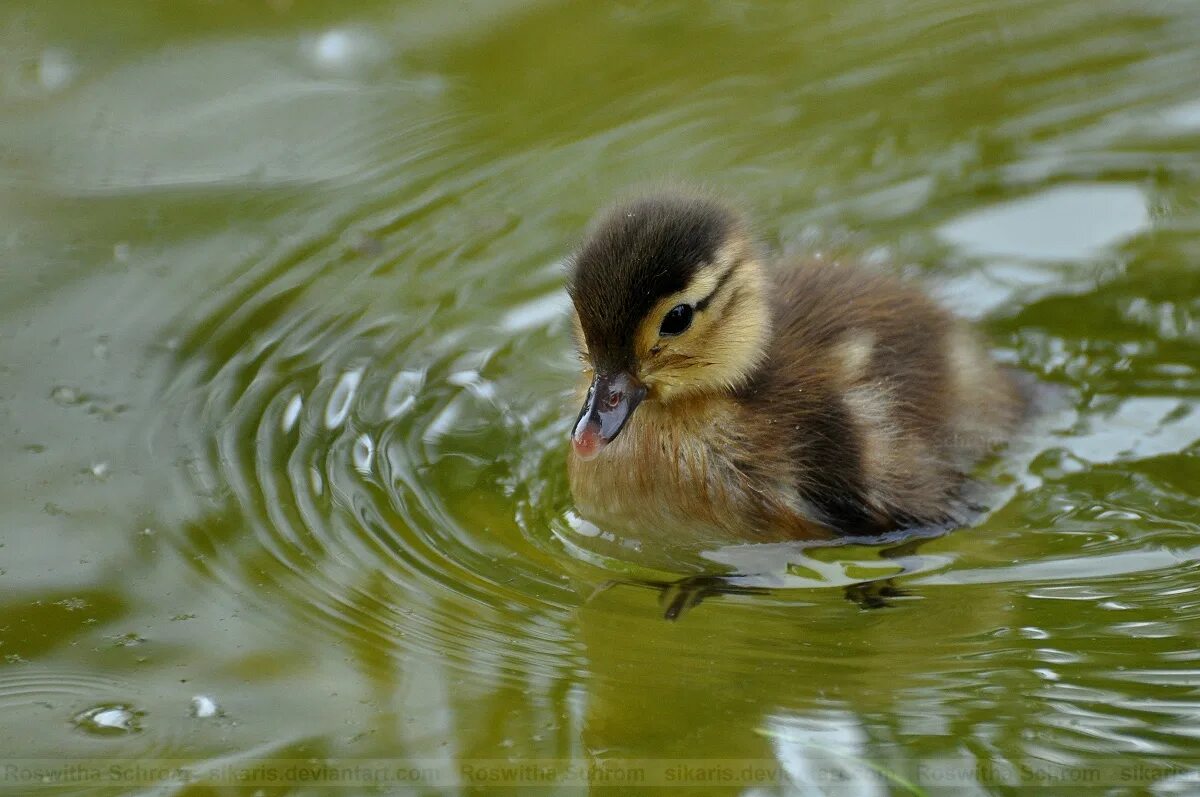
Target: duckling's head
{"type": "Point", "coordinates": [669, 304]}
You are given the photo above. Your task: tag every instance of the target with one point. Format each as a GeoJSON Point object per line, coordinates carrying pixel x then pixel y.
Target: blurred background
{"type": "Point", "coordinates": [285, 382]}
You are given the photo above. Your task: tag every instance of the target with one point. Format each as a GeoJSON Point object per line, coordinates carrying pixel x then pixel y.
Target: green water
{"type": "Point", "coordinates": [284, 385]}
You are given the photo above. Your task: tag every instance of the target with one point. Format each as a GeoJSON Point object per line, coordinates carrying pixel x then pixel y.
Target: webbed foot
{"type": "Point", "coordinates": [678, 596]}
{"type": "Point", "coordinates": [875, 594]}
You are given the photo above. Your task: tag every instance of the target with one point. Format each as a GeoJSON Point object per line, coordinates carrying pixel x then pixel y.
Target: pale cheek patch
{"type": "Point", "coordinates": [701, 285]}
{"type": "Point", "coordinates": [729, 255]}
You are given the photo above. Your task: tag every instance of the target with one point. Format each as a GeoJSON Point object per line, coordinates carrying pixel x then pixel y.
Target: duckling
{"type": "Point", "coordinates": [733, 398]}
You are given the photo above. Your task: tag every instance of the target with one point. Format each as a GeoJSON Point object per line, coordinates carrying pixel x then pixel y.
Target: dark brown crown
{"type": "Point", "coordinates": [637, 253]}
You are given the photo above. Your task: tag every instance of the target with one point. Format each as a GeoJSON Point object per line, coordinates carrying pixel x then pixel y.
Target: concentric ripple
{"type": "Point", "coordinates": [310, 251]}
{"type": "Point", "coordinates": [94, 715]}
{"type": "Point", "coordinates": [347, 448]}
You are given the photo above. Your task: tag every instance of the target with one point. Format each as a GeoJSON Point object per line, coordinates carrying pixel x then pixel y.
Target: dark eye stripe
{"type": "Point", "coordinates": [703, 303]}
{"type": "Point", "coordinates": [731, 306]}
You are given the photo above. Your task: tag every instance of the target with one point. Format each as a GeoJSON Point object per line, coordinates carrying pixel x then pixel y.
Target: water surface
{"type": "Point", "coordinates": [284, 389]}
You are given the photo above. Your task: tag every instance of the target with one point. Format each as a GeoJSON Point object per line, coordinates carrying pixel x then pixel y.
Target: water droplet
{"type": "Point", "coordinates": [204, 706]}
{"type": "Point", "coordinates": [99, 469]}
{"type": "Point", "coordinates": [110, 719]}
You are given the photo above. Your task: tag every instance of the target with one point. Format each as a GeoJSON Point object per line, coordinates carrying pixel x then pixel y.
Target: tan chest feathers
{"type": "Point", "coordinates": [680, 468]}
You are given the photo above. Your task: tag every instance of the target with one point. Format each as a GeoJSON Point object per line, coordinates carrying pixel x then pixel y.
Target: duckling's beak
{"type": "Point", "coordinates": [611, 399]}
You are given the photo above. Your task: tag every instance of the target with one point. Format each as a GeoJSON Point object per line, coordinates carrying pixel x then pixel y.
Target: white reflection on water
{"type": "Point", "coordinates": [539, 312]}
{"type": "Point", "coordinates": [1063, 223]}
{"type": "Point", "coordinates": [825, 755]}
{"type": "Point", "coordinates": [291, 413]}
{"type": "Point", "coordinates": [402, 393]}
{"type": "Point", "coordinates": [1146, 426]}
{"type": "Point", "coordinates": [56, 70]}
{"type": "Point", "coordinates": [1184, 117]}
{"type": "Point", "coordinates": [347, 52]}
{"type": "Point", "coordinates": [342, 398]}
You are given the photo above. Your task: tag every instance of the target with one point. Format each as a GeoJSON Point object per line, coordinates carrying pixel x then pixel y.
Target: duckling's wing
{"type": "Point", "coordinates": [881, 397]}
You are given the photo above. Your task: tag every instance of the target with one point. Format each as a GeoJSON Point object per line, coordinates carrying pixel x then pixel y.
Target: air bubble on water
{"type": "Point", "coordinates": [99, 469]}
{"type": "Point", "coordinates": [340, 400]}
{"type": "Point", "coordinates": [333, 48]}
{"type": "Point", "coordinates": [291, 412]}
{"type": "Point", "coordinates": [204, 706]}
{"type": "Point", "coordinates": [363, 452]}
{"type": "Point", "coordinates": [110, 719]}
{"type": "Point", "coordinates": [346, 52]}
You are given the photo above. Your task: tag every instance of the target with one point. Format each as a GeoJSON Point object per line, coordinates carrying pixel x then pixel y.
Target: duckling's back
{"type": "Point", "coordinates": [874, 397]}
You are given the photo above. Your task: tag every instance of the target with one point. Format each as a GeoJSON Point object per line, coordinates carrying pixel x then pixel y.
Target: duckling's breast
{"type": "Point", "coordinates": [676, 473]}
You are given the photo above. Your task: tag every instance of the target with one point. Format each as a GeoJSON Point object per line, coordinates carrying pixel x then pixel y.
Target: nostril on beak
{"type": "Point", "coordinates": [614, 399]}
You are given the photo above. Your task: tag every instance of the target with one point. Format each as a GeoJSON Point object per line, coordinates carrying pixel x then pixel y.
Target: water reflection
{"type": "Point", "coordinates": [296, 293]}
{"type": "Point", "coordinates": [1063, 223]}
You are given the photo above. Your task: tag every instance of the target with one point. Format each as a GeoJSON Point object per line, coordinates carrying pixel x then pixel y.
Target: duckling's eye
{"type": "Point", "coordinates": [677, 320]}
